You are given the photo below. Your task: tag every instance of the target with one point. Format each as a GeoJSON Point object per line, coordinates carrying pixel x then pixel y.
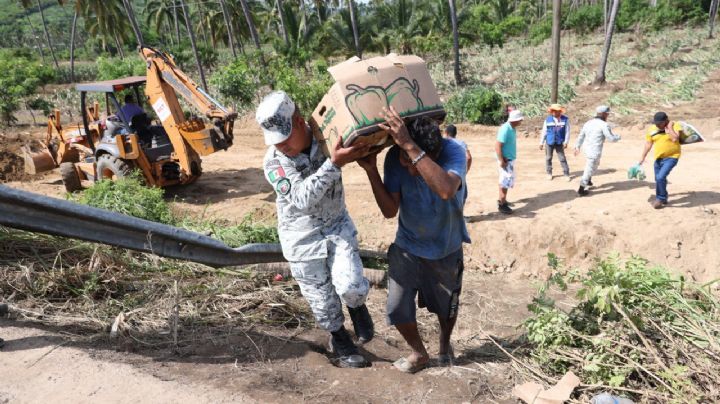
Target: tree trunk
{"type": "Point", "coordinates": [118, 45]}
{"type": "Point", "coordinates": [133, 22]}
{"type": "Point", "coordinates": [37, 40]}
{"type": "Point", "coordinates": [713, 15]}
{"type": "Point", "coordinates": [317, 10]}
{"type": "Point", "coordinates": [253, 31]}
{"type": "Point", "coordinates": [238, 36]}
{"type": "Point", "coordinates": [72, 47]}
{"type": "Point", "coordinates": [47, 35]}
{"type": "Point", "coordinates": [228, 26]}
{"type": "Point", "coordinates": [283, 26]}
{"type": "Point", "coordinates": [353, 22]}
{"type": "Point", "coordinates": [653, 3]}
{"type": "Point", "coordinates": [600, 76]}
{"type": "Point", "coordinates": [557, 5]}
{"type": "Point", "coordinates": [191, 34]}
{"type": "Point", "coordinates": [456, 42]}
{"type": "Point", "coordinates": [605, 15]}
{"type": "Point", "coordinates": [177, 25]}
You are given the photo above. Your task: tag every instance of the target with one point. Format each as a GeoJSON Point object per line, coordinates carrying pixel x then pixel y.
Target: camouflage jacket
{"type": "Point", "coordinates": [310, 202]}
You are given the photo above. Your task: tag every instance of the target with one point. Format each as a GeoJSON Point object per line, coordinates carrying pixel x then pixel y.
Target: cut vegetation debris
{"type": "Point", "coordinates": [130, 196]}
{"type": "Point", "coordinates": [86, 286]}
{"type": "Point", "coordinates": [635, 329]}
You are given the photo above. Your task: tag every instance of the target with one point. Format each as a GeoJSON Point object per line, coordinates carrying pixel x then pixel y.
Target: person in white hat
{"type": "Point", "coordinates": [506, 152]}
{"type": "Point", "coordinates": [591, 140]}
{"type": "Point", "coordinates": [318, 238]}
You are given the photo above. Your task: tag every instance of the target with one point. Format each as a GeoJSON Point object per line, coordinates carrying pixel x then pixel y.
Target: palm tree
{"type": "Point", "coordinates": [158, 12]}
{"type": "Point", "coordinates": [107, 20]}
{"type": "Point", "coordinates": [600, 76]}
{"type": "Point", "coordinates": [557, 4]}
{"type": "Point", "coordinates": [456, 41]}
{"type": "Point", "coordinates": [26, 4]}
{"type": "Point", "coordinates": [72, 45]}
{"type": "Point", "coordinates": [353, 21]}
{"type": "Point", "coordinates": [713, 14]}
{"type": "Point", "coordinates": [251, 28]}
{"type": "Point", "coordinates": [283, 26]}
{"type": "Point", "coordinates": [35, 36]}
{"type": "Point", "coordinates": [133, 23]}
{"type": "Point", "coordinates": [191, 34]}
{"type": "Point", "coordinates": [228, 27]}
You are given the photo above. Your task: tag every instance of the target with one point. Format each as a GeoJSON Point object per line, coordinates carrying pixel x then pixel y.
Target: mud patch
{"type": "Point", "coordinates": [12, 167]}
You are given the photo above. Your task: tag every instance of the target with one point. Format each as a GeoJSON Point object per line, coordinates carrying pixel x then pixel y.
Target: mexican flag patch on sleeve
{"type": "Point", "coordinates": [276, 175]}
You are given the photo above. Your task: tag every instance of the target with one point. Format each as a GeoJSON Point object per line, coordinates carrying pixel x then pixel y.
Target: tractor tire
{"type": "Point", "coordinates": [70, 177]}
{"type": "Point", "coordinates": [110, 168]}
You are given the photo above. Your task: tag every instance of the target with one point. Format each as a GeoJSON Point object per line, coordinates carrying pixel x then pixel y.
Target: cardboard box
{"type": "Point", "coordinates": [352, 107]}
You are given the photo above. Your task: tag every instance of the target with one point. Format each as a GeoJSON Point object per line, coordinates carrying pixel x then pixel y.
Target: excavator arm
{"type": "Point", "coordinates": [190, 137]}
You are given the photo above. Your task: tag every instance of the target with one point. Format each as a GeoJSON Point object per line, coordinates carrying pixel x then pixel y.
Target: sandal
{"type": "Point", "coordinates": [406, 366]}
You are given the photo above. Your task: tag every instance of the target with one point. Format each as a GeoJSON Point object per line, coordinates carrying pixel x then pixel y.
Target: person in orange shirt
{"type": "Point", "coordinates": [664, 137]}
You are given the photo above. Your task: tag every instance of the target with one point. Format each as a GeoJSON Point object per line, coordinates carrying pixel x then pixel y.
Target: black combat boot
{"type": "Point", "coordinates": [582, 191]}
{"type": "Point", "coordinates": [347, 353]}
{"type": "Point", "coordinates": [503, 207]}
{"type": "Point", "coordinates": [362, 323]}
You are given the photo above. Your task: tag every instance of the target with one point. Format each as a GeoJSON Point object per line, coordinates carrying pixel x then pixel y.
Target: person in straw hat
{"type": "Point", "coordinates": [555, 137]}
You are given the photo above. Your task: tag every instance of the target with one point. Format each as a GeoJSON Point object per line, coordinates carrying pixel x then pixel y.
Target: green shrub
{"type": "Point", "coordinates": [667, 13]}
{"type": "Point", "coordinates": [237, 83]}
{"type": "Point", "coordinates": [20, 78]}
{"type": "Point", "coordinates": [540, 31]}
{"type": "Point", "coordinates": [305, 87]}
{"type": "Point", "coordinates": [513, 25]}
{"type": "Point", "coordinates": [247, 232]}
{"type": "Point", "coordinates": [585, 19]}
{"type": "Point", "coordinates": [129, 196]}
{"type": "Point", "coordinates": [475, 105]}
{"type": "Point", "coordinates": [83, 72]}
{"type": "Point", "coordinates": [115, 68]}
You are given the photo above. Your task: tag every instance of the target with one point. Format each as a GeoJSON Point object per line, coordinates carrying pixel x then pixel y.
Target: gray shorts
{"type": "Point", "coordinates": [437, 284]}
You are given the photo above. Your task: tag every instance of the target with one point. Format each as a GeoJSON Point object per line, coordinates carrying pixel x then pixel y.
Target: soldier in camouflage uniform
{"type": "Point", "coordinates": [318, 237]}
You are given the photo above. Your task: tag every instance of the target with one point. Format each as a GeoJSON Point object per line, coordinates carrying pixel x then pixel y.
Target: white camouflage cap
{"type": "Point", "coordinates": [515, 116]}
{"type": "Point", "coordinates": [602, 109]}
{"type": "Point", "coordinates": [274, 114]}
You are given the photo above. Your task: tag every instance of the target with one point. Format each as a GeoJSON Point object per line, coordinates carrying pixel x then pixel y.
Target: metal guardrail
{"type": "Point", "coordinates": [37, 213]}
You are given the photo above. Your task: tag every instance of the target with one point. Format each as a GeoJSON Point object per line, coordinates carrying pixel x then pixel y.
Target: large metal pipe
{"type": "Point", "coordinates": [42, 214]}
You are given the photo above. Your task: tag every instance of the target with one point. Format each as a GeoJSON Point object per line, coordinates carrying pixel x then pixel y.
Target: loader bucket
{"type": "Point", "coordinates": [38, 161]}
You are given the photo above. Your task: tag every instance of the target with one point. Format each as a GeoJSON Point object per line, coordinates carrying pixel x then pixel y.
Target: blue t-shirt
{"type": "Point", "coordinates": [428, 227]}
{"type": "Point", "coordinates": [506, 135]}
{"type": "Point", "coordinates": [130, 110]}
{"type": "Point", "coordinates": [458, 141]}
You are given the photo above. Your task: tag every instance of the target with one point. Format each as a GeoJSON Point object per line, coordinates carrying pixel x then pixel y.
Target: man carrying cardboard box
{"type": "Point", "coordinates": [424, 181]}
{"type": "Point", "coordinates": [318, 237]}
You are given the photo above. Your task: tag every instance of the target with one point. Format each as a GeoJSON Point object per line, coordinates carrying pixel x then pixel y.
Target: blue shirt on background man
{"type": "Point", "coordinates": [428, 227]}
{"type": "Point", "coordinates": [129, 110]}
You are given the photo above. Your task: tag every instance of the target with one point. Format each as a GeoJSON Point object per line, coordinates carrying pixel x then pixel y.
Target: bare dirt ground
{"type": "Point", "coordinates": [504, 263]}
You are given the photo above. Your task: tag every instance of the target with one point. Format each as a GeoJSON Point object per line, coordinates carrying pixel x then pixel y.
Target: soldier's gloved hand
{"type": "Point", "coordinates": [343, 155]}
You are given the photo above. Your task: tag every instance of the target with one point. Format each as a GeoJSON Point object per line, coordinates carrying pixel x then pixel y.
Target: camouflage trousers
{"type": "Point", "coordinates": [330, 282]}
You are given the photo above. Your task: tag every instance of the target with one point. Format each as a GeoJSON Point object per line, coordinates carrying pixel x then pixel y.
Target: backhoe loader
{"type": "Point", "coordinates": [110, 145]}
